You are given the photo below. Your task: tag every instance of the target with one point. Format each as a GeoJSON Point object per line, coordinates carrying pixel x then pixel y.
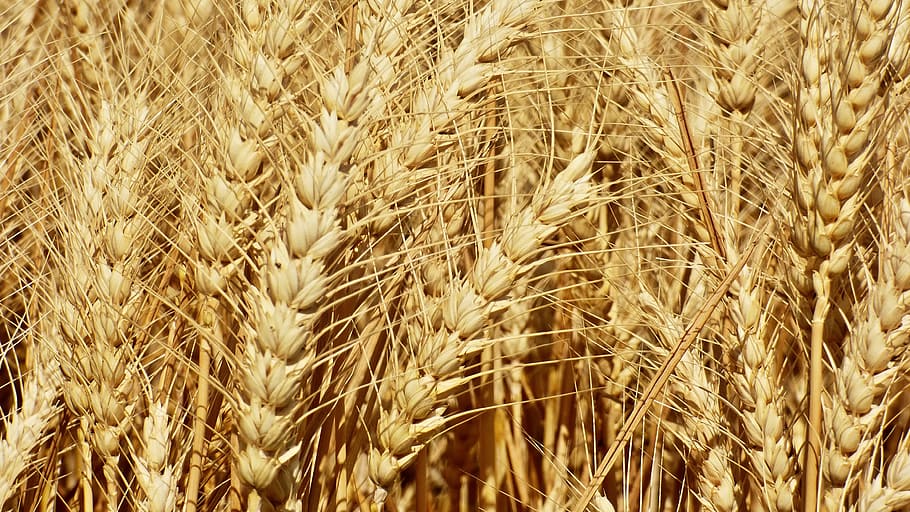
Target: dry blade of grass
{"type": "Point", "coordinates": [708, 219]}
{"type": "Point", "coordinates": [659, 381]}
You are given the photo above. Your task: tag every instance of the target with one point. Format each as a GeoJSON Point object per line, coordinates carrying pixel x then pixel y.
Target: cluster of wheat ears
{"type": "Point", "coordinates": [453, 255]}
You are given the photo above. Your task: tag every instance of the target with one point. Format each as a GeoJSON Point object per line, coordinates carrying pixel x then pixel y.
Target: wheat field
{"type": "Point", "coordinates": [455, 255]}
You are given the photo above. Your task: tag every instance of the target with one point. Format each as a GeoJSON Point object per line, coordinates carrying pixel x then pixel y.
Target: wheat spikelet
{"type": "Point", "coordinates": [156, 477]}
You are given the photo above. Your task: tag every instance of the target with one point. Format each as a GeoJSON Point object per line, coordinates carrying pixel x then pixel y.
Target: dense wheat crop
{"type": "Point", "coordinates": [455, 255]}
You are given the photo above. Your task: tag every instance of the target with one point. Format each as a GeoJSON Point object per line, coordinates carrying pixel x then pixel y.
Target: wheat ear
{"type": "Point", "coordinates": [236, 177]}
{"type": "Point", "coordinates": [701, 432]}
{"type": "Point", "coordinates": [839, 99]}
{"type": "Point", "coordinates": [107, 215]}
{"type": "Point", "coordinates": [764, 416]}
{"type": "Point", "coordinates": [873, 352]}
{"type": "Point", "coordinates": [416, 408]}
{"type": "Point", "coordinates": [442, 102]}
{"type": "Point", "coordinates": [24, 429]}
{"type": "Point", "coordinates": [657, 92]}
{"type": "Point", "coordinates": [657, 383]}
{"type": "Point", "coordinates": [889, 489]}
{"type": "Point", "coordinates": [294, 282]}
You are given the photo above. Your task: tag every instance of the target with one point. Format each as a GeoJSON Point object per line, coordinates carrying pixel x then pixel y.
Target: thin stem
{"type": "Point", "coordinates": [88, 502]}
{"type": "Point", "coordinates": [202, 410]}
{"type": "Point", "coordinates": [488, 455]}
{"type": "Point", "coordinates": [422, 486]}
{"type": "Point", "coordinates": [812, 487]}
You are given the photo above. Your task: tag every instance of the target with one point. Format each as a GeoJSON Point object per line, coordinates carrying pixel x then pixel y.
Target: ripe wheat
{"type": "Point", "coordinates": [454, 255]}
